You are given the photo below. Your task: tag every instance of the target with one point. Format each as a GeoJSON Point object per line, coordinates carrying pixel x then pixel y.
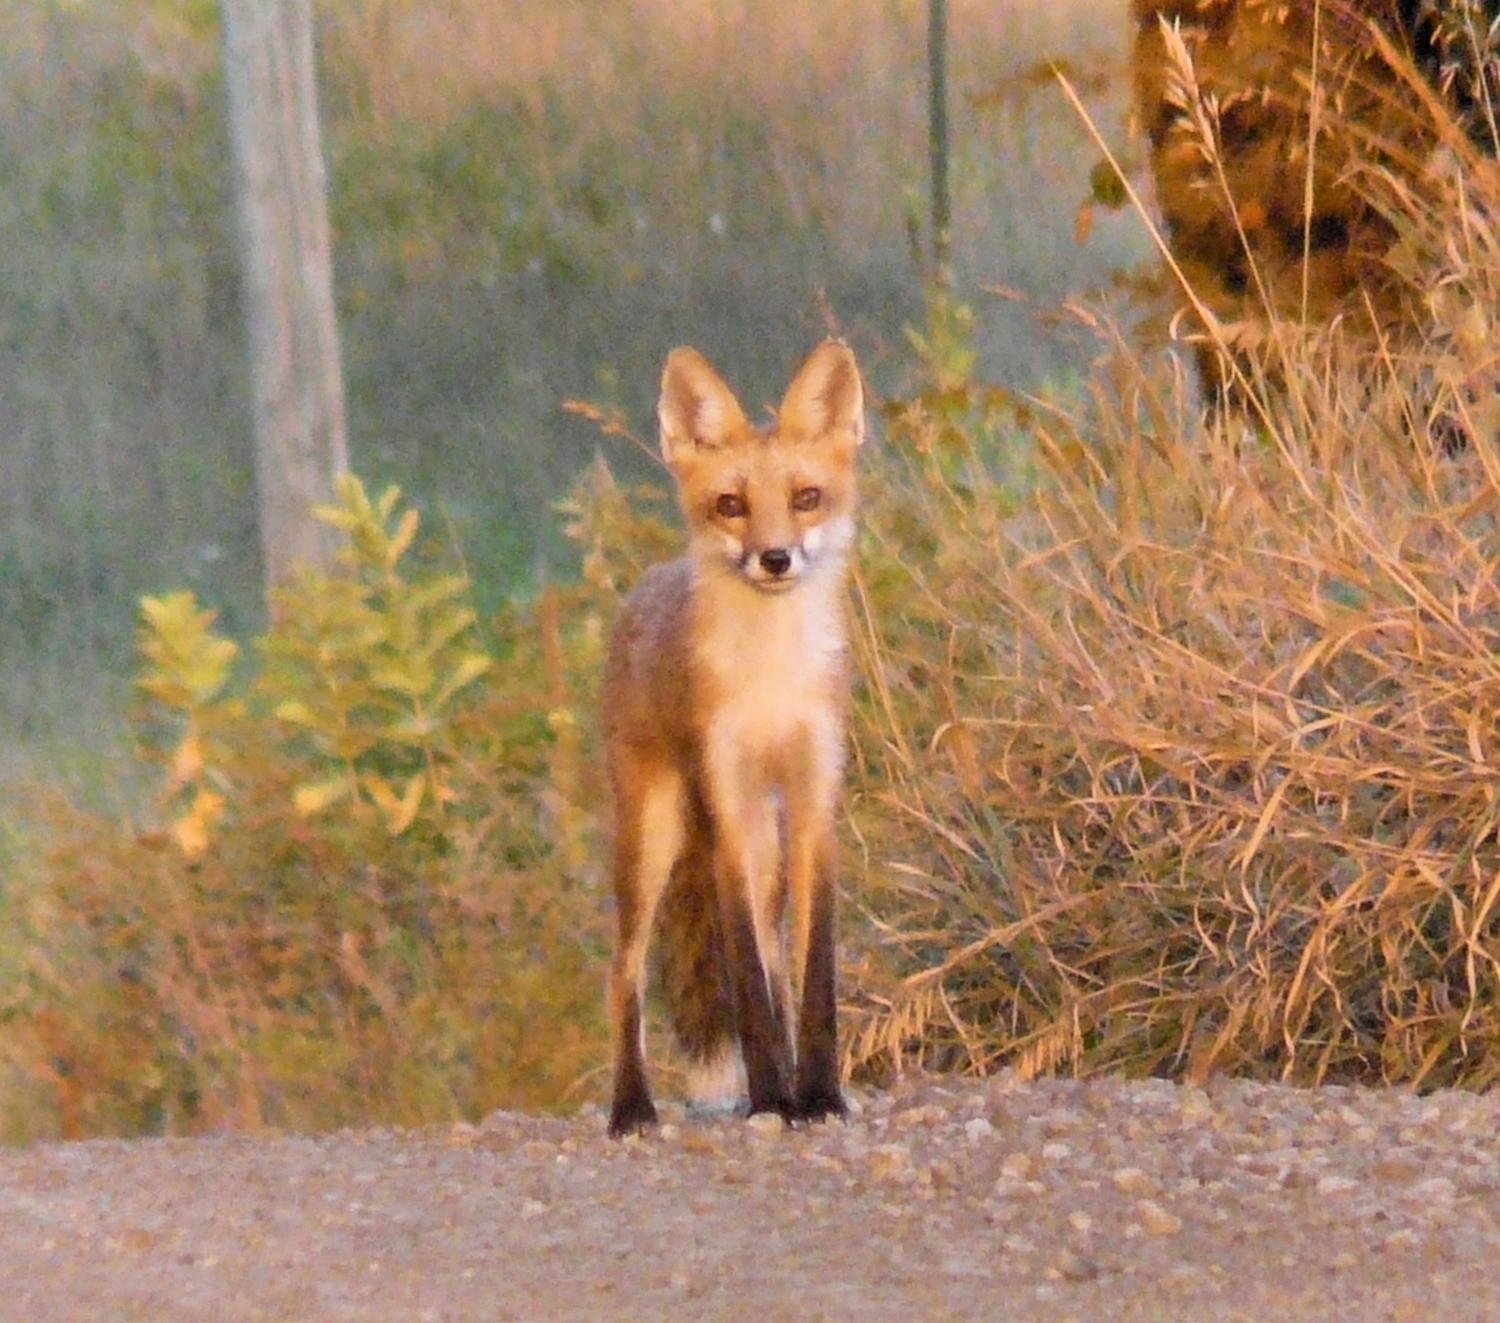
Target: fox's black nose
{"type": "Point", "coordinates": [776, 562]}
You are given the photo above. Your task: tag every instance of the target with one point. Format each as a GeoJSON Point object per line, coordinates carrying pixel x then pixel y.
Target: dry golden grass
{"type": "Point", "coordinates": [1190, 767]}
{"type": "Point", "coordinates": [1208, 779]}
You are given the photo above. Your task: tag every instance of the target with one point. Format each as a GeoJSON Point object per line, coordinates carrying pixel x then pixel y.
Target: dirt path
{"type": "Point", "coordinates": [942, 1200]}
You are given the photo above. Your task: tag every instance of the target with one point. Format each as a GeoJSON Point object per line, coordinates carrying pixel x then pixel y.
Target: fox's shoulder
{"type": "Point", "coordinates": [663, 593]}
{"type": "Point", "coordinates": [655, 614]}
{"type": "Point", "coordinates": [648, 672]}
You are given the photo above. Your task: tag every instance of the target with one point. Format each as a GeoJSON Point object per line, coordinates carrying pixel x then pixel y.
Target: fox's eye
{"type": "Point", "coordinates": [730, 506]}
{"type": "Point", "coordinates": [809, 498]}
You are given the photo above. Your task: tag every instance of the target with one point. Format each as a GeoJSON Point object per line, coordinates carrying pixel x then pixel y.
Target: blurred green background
{"type": "Point", "coordinates": [532, 201]}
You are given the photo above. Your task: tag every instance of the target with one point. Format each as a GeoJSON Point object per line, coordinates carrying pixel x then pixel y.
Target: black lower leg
{"type": "Point", "coordinates": [818, 1094]}
{"type": "Point", "coordinates": [632, 1107]}
{"type": "Point", "coordinates": [762, 1031]}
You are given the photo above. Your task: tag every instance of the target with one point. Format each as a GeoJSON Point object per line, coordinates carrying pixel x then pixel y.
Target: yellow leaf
{"type": "Point", "coordinates": [155, 609]}
{"type": "Point", "coordinates": [187, 762]}
{"type": "Point", "coordinates": [187, 664]}
{"type": "Point", "coordinates": [351, 491]}
{"type": "Point", "coordinates": [335, 517]}
{"type": "Point", "coordinates": [295, 713]}
{"type": "Point", "coordinates": [470, 667]}
{"type": "Point", "coordinates": [406, 530]}
{"type": "Point", "coordinates": [163, 690]}
{"type": "Point", "coordinates": [387, 501]}
{"type": "Point", "coordinates": [405, 812]}
{"type": "Point", "coordinates": [396, 682]}
{"type": "Point", "coordinates": [206, 670]}
{"type": "Point", "coordinates": [191, 831]}
{"type": "Point", "coordinates": [379, 789]}
{"type": "Point", "coordinates": [316, 796]}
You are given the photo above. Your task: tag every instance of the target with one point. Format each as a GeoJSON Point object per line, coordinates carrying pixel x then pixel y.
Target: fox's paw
{"type": "Point", "coordinates": [819, 1104]}
{"type": "Point", "coordinates": [783, 1107]}
{"type": "Point", "coordinates": [629, 1116]}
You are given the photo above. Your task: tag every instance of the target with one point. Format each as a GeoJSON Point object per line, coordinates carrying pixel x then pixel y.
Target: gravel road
{"type": "Point", "coordinates": [940, 1200]}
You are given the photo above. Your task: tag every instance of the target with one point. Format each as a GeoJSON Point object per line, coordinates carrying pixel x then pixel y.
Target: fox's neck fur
{"type": "Point", "coordinates": [770, 665]}
{"type": "Point", "coordinates": [740, 630]}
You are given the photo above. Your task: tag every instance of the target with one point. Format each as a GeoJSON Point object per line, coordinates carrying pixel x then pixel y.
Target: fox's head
{"type": "Point", "coordinates": [771, 504]}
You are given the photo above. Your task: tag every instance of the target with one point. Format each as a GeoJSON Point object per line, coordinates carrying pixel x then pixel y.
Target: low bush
{"type": "Point", "coordinates": [368, 891]}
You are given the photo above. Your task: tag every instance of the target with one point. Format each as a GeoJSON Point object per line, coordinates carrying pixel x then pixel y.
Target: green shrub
{"type": "Point", "coordinates": [369, 893]}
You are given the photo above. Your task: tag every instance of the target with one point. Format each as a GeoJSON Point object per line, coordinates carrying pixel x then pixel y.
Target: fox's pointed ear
{"type": "Point", "coordinates": [825, 399]}
{"type": "Point", "coordinates": [697, 410]}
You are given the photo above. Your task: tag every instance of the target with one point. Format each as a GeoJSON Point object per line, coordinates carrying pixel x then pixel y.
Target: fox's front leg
{"type": "Point", "coordinates": [812, 876]}
{"type": "Point", "coordinates": [649, 836]}
{"type": "Point", "coordinates": [745, 877]}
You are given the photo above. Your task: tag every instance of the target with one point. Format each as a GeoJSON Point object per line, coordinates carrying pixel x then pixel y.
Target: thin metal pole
{"type": "Point", "coordinates": [937, 127]}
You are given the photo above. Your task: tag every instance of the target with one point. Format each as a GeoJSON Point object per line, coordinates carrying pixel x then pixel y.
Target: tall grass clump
{"type": "Point", "coordinates": [1189, 764]}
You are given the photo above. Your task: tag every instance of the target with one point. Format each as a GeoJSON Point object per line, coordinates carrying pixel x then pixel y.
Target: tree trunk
{"type": "Point", "coordinates": [300, 441]}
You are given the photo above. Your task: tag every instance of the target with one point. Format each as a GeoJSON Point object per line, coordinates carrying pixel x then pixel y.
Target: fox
{"type": "Point", "coordinates": [724, 710]}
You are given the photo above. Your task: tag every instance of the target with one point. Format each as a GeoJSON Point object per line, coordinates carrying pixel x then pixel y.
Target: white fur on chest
{"type": "Point", "coordinates": [774, 662]}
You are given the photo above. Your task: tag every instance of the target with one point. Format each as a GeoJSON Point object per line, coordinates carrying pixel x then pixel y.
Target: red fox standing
{"type": "Point", "coordinates": [724, 723]}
